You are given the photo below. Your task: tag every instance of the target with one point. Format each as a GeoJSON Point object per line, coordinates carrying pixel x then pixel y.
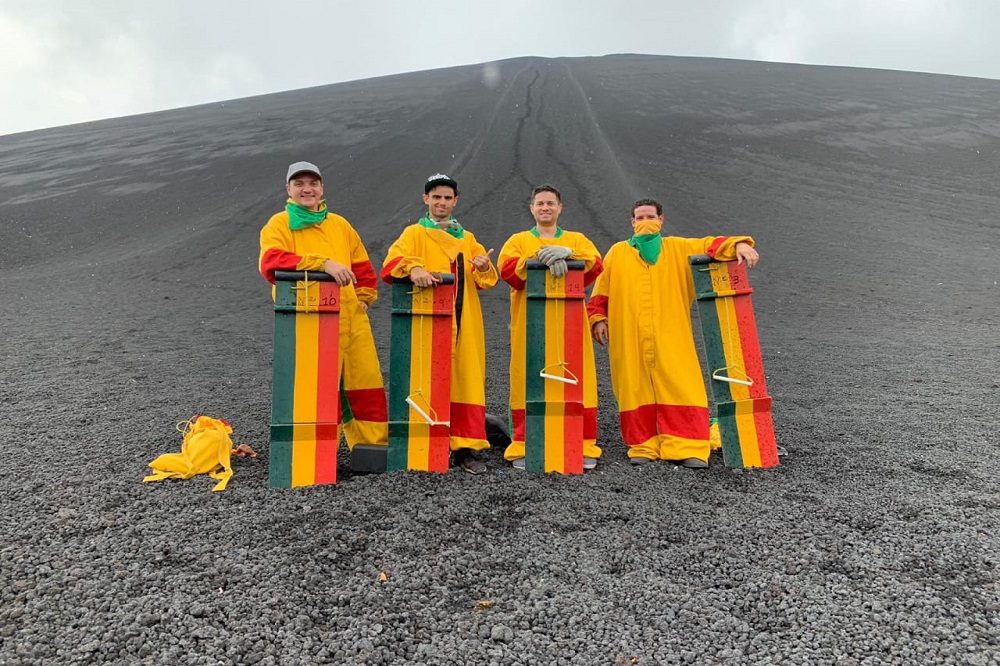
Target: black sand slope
{"type": "Point", "coordinates": [131, 301]}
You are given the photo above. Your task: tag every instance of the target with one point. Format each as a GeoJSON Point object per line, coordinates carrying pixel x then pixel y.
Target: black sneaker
{"type": "Point", "coordinates": [470, 461]}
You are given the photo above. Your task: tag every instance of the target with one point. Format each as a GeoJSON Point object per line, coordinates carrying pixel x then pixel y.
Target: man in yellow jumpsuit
{"type": "Point", "coordinates": [641, 309]}
{"type": "Point", "coordinates": [553, 245]}
{"type": "Point", "coordinates": [435, 244]}
{"type": "Point", "coordinates": [306, 236]}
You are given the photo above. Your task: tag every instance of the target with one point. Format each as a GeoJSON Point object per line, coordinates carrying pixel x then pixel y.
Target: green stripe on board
{"type": "Point", "coordinates": [534, 436]}
{"type": "Point", "coordinates": [534, 343]}
{"type": "Point", "coordinates": [282, 391]}
{"type": "Point", "coordinates": [399, 377]}
{"type": "Point", "coordinates": [732, 454]}
{"type": "Point", "coordinates": [715, 351]}
{"type": "Point", "coordinates": [279, 466]}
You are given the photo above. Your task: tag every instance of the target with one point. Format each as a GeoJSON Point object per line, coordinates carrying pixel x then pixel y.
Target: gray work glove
{"type": "Point", "coordinates": [551, 253]}
{"type": "Point", "coordinates": [558, 268]}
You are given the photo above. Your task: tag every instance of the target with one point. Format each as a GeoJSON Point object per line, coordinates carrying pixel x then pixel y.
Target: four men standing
{"type": "Point", "coordinates": [640, 308]}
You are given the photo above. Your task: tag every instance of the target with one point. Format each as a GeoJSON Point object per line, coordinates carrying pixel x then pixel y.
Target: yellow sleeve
{"type": "Point", "coordinates": [402, 257]}
{"type": "Point", "coordinates": [722, 248]}
{"type": "Point", "coordinates": [366, 286]}
{"type": "Point", "coordinates": [597, 306]}
{"type": "Point", "coordinates": [513, 256]}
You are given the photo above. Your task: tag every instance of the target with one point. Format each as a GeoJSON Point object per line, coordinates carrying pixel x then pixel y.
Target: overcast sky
{"type": "Point", "coordinates": [68, 61]}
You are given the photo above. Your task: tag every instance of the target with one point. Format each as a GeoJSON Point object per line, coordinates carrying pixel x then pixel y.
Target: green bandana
{"type": "Point", "coordinates": [649, 246]}
{"type": "Point", "coordinates": [300, 217]}
{"type": "Point", "coordinates": [534, 232]}
{"type": "Point", "coordinates": [454, 228]}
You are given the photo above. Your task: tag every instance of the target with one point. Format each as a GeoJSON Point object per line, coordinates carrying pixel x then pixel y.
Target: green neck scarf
{"type": "Point", "coordinates": [534, 232]}
{"type": "Point", "coordinates": [649, 246]}
{"type": "Point", "coordinates": [454, 228]}
{"type": "Point", "coordinates": [300, 217]}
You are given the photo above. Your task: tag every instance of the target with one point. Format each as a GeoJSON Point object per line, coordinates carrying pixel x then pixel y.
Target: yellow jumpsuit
{"type": "Point", "coordinates": [518, 249]}
{"type": "Point", "coordinates": [437, 251]}
{"type": "Point", "coordinates": [655, 372]}
{"type": "Point", "coordinates": [284, 249]}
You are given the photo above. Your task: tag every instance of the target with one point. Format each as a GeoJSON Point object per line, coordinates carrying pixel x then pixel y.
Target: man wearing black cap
{"type": "Point", "coordinates": [436, 244]}
{"type": "Point", "coordinates": [308, 237]}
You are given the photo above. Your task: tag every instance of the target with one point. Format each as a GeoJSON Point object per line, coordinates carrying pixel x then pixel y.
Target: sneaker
{"type": "Point", "coordinates": [517, 463]}
{"type": "Point", "coordinates": [589, 463]}
{"type": "Point", "coordinates": [693, 463]}
{"type": "Point", "coordinates": [640, 460]}
{"type": "Point", "coordinates": [470, 461]}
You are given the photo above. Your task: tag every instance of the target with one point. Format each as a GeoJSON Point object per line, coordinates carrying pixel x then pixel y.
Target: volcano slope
{"type": "Point", "coordinates": [131, 302]}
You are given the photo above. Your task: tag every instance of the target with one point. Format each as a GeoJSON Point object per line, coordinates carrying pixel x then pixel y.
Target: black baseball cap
{"type": "Point", "coordinates": [440, 179]}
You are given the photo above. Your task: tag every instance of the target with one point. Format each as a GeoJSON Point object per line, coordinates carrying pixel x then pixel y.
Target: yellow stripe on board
{"type": "Point", "coordinates": [303, 454]}
{"type": "Point", "coordinates": [304, 405]}
{"type": "Point", "coordinates": [554, 436]}
{"type": "Point", "coordinates": [419, 451]}
{"type": "Point", "coordinates": [306, 367]}
{"type": "Point", "coordinates": [555, 391]}
{"type": "Point", "coordinates": [421, 354]}
{"type": "Point", "coordinates": [729, 332]}
{"type": "Point", "coordinates": [747, 428]}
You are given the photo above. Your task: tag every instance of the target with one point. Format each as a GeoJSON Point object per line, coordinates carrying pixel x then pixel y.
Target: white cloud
{"type": "Point", "coordinates": [64, 61]}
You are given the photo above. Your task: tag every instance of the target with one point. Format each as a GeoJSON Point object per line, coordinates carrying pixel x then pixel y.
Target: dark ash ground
{"type": "Point", "coordinates": [131, 302]}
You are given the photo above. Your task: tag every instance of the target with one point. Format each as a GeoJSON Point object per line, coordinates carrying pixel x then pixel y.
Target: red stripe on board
{"type": "Point", "coordinates": [468, 420]}
{"type": "Point", "coordinates": [328, 357]}
{"type": "Point", "coordinates": [327, 439]}
{"type": "Point", "coordinates": [439, 445]}
{"type": "Point", "coordinates": [517, 425]}
{"type": "Point", "coordinates": [598, 305]}
{"type": "Point", "coordinates": [595, 270]}
{"type": "Point", "coordinates": [714, 247]}
{"type": "Point", "coordinates": [368, 404]}
{"type": "Point", "coordinates": [365, 274]}
{"type": "Point", "coordinates": [573, 332]}
{"type": "Point", "coordinates": [765, 438]}
{"type": "Point", "coordinates": [573, 439]}
{"type": "Point", "coordinates": [277, 260]}
{"type": "Point", "coordinates": [327, 386]}
{"type": "Point", "coordinates": [509, 274]}
{"type": "Point", "coordinates": [387, 269]}
{"type": "Point", "coordinates": [747, 326]}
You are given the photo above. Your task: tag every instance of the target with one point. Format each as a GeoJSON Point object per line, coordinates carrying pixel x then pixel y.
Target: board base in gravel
{"type": "Point", "coordinates": [305, 390]}
{"type": "Point", "coordinates": [736, 369]}
{"type": "Point", "coordinates": [420, 376]}
{"type": "Point", "coordinates": [554, 375]}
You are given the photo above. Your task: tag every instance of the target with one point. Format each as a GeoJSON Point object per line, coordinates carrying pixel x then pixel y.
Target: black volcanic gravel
{"type": "Point", "coordinates": [131, 302]}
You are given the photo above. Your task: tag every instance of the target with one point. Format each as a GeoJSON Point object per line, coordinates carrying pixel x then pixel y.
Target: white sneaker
{"type": "Point", "coordinates": [517, 463]}
{"type": "Point", "coordinates": [589, 463]}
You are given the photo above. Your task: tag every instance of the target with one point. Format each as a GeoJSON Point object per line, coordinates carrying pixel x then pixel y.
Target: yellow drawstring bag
{"type": "Point", "coordinates": [714, 436]}
{"type": "Point", "coordinates": [205, 450]}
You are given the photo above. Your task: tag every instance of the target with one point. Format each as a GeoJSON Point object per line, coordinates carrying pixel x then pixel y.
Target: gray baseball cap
{"type": "Point", "coordinates": [302, 167]}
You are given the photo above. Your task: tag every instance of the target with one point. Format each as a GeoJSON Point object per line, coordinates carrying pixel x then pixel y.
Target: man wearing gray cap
{"type": "Point", "coordinates": [308, 237]}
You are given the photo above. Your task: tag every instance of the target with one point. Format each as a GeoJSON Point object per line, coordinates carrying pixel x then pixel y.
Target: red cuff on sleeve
{"type": "Point", "coordinates": [509, 274]}
{"type": "Point", "coordinates": [598, 305]}
{"type": "Point", "coordinates": [714, 247]}
{"type": "Point", "coordinates": [277, 260]}
{"type": "Point", "coordinates": [387, 270]}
